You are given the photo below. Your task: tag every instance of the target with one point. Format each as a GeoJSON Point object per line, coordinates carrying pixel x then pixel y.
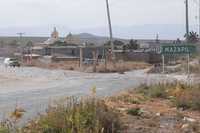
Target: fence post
{"type": "Point", "coordinates": [81, 58]}
{"type": "Point", "coordinates": [163, 65]}
{"type": "Point", "coordinates": [188, 65]}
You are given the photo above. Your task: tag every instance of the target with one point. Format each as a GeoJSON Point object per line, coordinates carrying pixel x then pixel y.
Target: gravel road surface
{"type": "Point", "coordinates": [34, 88]}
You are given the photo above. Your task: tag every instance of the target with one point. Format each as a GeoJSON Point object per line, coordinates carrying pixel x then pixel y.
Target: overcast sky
{"type": "Point", "coordinates": [80, 14]}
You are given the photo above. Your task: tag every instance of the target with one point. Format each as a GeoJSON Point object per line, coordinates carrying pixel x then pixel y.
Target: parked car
{"type": "Point", "coordinates": [12, 62]}
{"type": "Point", "coordinates": [88, 61]}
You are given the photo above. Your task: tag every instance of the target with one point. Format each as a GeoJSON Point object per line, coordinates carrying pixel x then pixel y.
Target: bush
{"type": "Point", "coordinates": [134, 111]}
{"type": "Point", "coordinates": [77, 116]}
{"type": "Point", "coordinates": [4, 130]}
{"type": "Point", "coordinates": [182, 95]}
{"type": "Point", "coordinates": [153, 91]}
{"type": "Point", "coordinates": [189, 99]}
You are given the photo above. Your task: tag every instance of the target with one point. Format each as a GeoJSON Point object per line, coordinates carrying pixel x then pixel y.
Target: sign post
{"type": "Point", "coordinates": [178, 49]}
{"type": "Point", "coordinates": [188, 65]}
{"type": "Point", "coordinates": [163, 61]}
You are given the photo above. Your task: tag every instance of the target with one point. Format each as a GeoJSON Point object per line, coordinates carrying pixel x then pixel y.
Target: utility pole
{"type": "Point", "coordinates": [110, 29]}
{"type": "Point", "coordinates": [20, 35]}
{"type": "Point", "coordinates": [187, 19]}
{"type": "Point", "coordinates": [199, 17]}
{"type": "Point", "coordinates": [20, 38]}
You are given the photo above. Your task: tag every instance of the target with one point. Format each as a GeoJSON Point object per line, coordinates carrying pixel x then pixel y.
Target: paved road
{"type": "Point", "coordinates": [33, 88]}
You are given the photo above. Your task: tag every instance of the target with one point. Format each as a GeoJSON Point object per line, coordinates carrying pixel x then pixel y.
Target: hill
{"type": "Point", "coordinates": [83, 38]}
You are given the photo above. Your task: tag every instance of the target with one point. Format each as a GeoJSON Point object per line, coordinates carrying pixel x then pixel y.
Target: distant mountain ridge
{"type": "Point", "coordinates": [83, 38]}
{"type": "Point", "coordinates": [140, 31]}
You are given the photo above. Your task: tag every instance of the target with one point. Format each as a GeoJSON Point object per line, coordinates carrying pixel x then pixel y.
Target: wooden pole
{"type": "Point", "coordinates": [81, 58]}
{"type": "Point", "coordinates": [110, 29]}
{"type": "Point", "coordinates": [187, 19]}
{"type": "Point", "coordinates": [163, 60]}
{"type": "Point", "coordinates": [188, 65]}
{"type": "Point", "coordinates": [95, 60]}
{"type": "Point", "coordinates": [105, 57]}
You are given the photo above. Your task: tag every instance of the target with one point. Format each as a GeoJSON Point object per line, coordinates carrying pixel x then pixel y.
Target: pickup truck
{"type": "Point", "coordinates": [12, 62]}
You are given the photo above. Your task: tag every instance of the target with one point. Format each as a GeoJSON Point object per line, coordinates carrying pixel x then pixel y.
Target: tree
{"type": "Point", "coordinates": [115, 42]}
{"type": "Point", "coordinates": [192, 37]}
{"type": "Point", "coordinates": [107, 44]}
{"type": "Point", "coordinates": [13, 44]}
{"type": "Point", "coordinates": [133, 45]}
{"type": "Point", "coordinates": [178, 41]}
{"type": "Point", "coordinates": [118, 43]}
{"type": "Point", "coordinates": [29, 44]}
{"type": "Point", "coordinates": [2, 43]}
{"type": "Point", "coordinates": [58, 43]}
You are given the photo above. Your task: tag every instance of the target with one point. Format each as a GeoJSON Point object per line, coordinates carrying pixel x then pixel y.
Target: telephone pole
{"type": "Point", "coordinates": [20, 34]}
{"type": "Point", "coordinates": [21, 47]}
{"type": "Point", "coordinates": [110, 29]}
{"type": "Point", "coordinates": [199, 17]}
{"type": "Point", "coordinates": [187, 19]}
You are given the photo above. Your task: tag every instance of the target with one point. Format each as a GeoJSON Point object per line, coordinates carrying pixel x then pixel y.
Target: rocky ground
{"type": "Point", "coordinates": [141, 115]}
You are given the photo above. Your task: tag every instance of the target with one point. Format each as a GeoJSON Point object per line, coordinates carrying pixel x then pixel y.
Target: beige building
{"type": "Point", "coordinates": [54, 37]}
{"type": "Point", "coordinates": [55, 34]}
{"type": "Point", "coordinates": [71, 39]}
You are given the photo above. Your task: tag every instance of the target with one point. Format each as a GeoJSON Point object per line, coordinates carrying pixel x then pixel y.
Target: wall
{"type": "Point", "coordinates": [148, 57]}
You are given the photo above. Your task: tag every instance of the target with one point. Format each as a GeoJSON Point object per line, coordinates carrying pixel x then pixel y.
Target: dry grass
{"type": "Point", "coordinates": [67, 65]}
{"type": "Point", "coordinates": [162, 108]}
{"type": "Point", "coordinates": [70, 115]}
{"type": "Point", "coordinates": [182, 95]}
{"type": "Point", "coordinates": [156, 109]}
{"type": "Point", "coordinates": [74, 116]}
{"type": "Point", "coordinates": [122, 67]}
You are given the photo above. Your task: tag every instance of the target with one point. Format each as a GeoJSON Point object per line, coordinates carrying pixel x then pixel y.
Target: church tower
{"type": "Point", "coordinates": [55, 34]}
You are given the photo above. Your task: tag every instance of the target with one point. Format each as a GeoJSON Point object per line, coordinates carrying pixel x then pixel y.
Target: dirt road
{"type": "Point", "coordinates": [33, 88]}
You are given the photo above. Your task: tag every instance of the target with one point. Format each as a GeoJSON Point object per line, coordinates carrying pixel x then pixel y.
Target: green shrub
{"type": "Point", "coordinates": [153, 91]}
{"type": "Point", "coordinates": [4, 130]}
{"type": "Point", "coordinates": [77, 116]}
{"type": "Point", "coordinates": [134, 112]}
{"type": "Point", "coordinates": [182, 95]}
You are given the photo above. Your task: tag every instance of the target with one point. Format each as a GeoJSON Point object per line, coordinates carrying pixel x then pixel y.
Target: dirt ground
{"type": "Point", "coordinates": [110, 67]}
{"type": "Point", "coordinates": [69, 65]}
{"type": "Point", "coordinates": [154, 115]}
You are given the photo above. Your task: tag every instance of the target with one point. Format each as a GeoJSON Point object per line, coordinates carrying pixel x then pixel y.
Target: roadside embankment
{"type": "Point", "coordinates": [166, 108]}
{"type": "Point", "coordinates": [109, 67]}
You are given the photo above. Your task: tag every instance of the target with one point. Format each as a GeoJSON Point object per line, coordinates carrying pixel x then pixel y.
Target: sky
{"type": "Point", "coordinates": [90, 15]}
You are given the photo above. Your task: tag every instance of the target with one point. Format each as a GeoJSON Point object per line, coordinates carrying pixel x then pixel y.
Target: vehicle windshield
{"type": "Point", "coordinates": [13, 59]}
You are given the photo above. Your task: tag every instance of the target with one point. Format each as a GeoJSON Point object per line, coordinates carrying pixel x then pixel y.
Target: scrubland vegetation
{"type": "Point", "coordinates": [164, 107]}
{"type": "Point", "coordinates": [181, 95]}
{"type": "Point", "coordinates": [71, 115]}
{"type": "Point", "coordinates": [119, 66]}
